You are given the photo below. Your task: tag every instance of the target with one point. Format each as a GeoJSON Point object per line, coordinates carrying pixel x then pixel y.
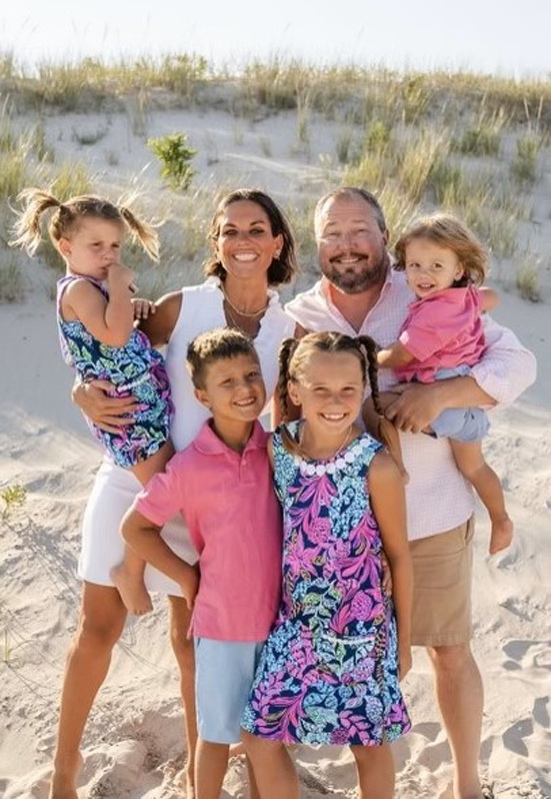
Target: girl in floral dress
{"type": "Point", "coordinates": [95, 315]}
{"type": "Point", "coordinates": [330, 670]}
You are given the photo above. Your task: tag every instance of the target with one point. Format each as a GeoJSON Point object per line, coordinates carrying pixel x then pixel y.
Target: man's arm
{"type": "Point", "coordinates": [504, 372]}
{"type": "Point", "coordinates": [507, 368]}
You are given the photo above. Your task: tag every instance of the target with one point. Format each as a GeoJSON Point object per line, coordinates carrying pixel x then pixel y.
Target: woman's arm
{"type": "Point", "coordinates": [386, 491]}
{"type": "Point", "coordinates": [144, 538]}
{"type": "Point", "coordinates": [158, 327]}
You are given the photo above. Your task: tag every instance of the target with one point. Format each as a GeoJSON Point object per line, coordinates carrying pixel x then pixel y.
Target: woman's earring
{"type": "Point", "coordinates": [276, 255]}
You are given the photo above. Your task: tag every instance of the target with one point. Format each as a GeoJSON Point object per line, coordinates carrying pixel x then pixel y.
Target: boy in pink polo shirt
{"type": "Point", "coordinates": [221, 484]}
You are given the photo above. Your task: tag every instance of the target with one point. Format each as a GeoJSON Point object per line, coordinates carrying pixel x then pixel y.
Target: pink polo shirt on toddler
{"type": "Point", "coordinates": [229, 506]}
{"type": "Point", "coordinates": [442, 331]}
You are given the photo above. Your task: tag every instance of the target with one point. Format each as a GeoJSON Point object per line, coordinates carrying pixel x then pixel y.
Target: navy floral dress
{"type": "Point", "coordinates": [328, 671]}
{"type": "Point", "coordinates": [136, 369]}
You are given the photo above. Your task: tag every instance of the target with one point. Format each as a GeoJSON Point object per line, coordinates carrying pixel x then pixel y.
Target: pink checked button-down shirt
{"type": "Point", "coordinates": [438, 497]}
{"type": "Point", "coordinates": [234, 520]}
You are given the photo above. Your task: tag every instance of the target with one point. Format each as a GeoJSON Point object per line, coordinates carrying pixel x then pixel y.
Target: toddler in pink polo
{"type": "Point", "coordinates": [222, 486]}
{"type": "Point", "coordinates": [442, 337]}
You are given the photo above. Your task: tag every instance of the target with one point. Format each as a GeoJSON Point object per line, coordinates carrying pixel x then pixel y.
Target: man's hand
{"type": "Point", "coordinates": [111, 414]}
{"type": "Point", "coordinates": [416, 407]}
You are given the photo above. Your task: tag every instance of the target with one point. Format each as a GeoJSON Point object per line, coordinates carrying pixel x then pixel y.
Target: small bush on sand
{"type": "Point", "coordinates": [527, 278]}
{"type": "Point", "coordinates": [524, 163]}
{"type": "Point", "coordinates": [175, 157]}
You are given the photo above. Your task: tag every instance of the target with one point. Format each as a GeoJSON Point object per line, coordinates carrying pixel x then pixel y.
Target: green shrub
{"type": "Point", "coordinates": [523, 165]}
{"type": "Point", "coordinates": [175, 157]}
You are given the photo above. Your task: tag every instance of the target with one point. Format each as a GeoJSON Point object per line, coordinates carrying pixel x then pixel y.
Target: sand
{"type": "Point", "coordinates": [133, 744]}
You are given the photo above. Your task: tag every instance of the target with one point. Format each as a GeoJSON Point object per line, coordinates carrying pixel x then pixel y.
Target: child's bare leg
{"type": "Point", "coordinates": [274, 770]}
{"type": "Point", "coordinates": [128, 575]}
{"type": "Point", "coordinates": [383, 429]}
{"type": "Point", "coordinates": [254, 793]}
{"type": "Point", "coordinates": [470, 462]}
{"type": "Point", "coordinates": [211, 762]}
{"type": "Point", "coordinates": [375, 769]}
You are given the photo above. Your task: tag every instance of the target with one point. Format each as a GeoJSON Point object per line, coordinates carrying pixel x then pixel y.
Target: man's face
{"type": "Point", "coordinates": [351, 247]}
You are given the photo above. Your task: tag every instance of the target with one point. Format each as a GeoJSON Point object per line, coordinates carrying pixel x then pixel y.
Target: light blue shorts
{"type": "Point", "coordinates": [460, 424]}
{"type": "Point", "coordinates": [224, 672]}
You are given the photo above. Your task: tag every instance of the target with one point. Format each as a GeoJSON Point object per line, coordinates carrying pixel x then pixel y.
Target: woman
{"type": "Point", "coordinates": [252, 250]}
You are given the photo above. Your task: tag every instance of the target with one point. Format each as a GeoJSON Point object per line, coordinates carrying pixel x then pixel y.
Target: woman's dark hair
{"type": "Point", "coordinates": [282, 269]}
{"type": "Point", "coordinates": [294, 353]}
{"type": "Point", "coordinates": [215, 345]}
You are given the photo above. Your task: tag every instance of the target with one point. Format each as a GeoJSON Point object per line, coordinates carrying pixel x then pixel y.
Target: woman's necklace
{"type": "Point", "coordinates": [339, 448]}
{"type": "Point", "coordinates": [232, 321]}
{"type": "Point", "coordinates": [245, 314]}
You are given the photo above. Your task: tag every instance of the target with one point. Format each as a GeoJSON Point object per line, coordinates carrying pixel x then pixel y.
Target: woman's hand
{"type": "Point", "coordinates": [111, 414]}
{"type": "Point", "coordinates": [404, 661]}
{"type": "Point", "coordinates": [142, 308]}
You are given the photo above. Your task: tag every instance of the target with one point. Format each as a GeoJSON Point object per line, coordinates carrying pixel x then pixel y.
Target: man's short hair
{"type": "Point", "coordinates": [351, 193]}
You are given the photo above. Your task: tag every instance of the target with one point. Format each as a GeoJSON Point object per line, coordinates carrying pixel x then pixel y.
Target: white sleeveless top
{"type": "Point", "coordinates": [115, 488]}
{"type": "Point", "coordinates": [202, 309]}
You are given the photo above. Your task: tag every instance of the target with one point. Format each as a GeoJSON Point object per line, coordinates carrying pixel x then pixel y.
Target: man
{"type": "Point", "coordinates": [359, 293]}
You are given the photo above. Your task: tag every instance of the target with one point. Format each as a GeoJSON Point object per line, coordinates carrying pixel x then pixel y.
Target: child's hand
{"type": "Point", "coordinates": [142, 308]}
{"type": "Point", "coordinates": [119, 275]}
{"type": "Point", "coordinates": [190, 586]}
{"type": "Point", "coordinates": [404, 661]}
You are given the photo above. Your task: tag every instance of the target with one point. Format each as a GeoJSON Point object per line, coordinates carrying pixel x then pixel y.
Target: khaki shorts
{"type": "Point", "coordinates": [442, 566]}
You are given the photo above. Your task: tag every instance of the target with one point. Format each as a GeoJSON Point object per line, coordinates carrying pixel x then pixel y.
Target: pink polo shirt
{"type": "Point", "coordinates": [442, 331]}
{"type": "Point", "coordinates": [234, 519]}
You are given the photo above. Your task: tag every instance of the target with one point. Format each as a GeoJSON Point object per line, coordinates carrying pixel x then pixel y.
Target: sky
{"type": "Point", "coordinates": [508, 37]}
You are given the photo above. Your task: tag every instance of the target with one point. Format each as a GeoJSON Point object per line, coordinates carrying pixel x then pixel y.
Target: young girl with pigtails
{"type": "Point", "coordinates": [95, 315]}
{"type": "Point", "coordinates": [330, 669]}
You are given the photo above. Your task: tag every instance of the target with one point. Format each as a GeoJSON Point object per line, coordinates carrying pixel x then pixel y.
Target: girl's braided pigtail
{"type": "Point", "coordinates": [372, 368]}
{"type": "Point", "coordinates": [286, 352]}
{"type": "Point", "coordinates": [387, 432]}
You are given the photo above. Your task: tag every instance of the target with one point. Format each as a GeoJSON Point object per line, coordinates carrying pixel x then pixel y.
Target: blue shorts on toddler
{"type": "Point", "coordinates": [460, 424]}
{"type": "Point", "coordinates": [224, 673]}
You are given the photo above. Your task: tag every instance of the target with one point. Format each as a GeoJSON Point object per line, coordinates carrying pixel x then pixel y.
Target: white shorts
{"type": "Point", "coordinates": [102, 546]}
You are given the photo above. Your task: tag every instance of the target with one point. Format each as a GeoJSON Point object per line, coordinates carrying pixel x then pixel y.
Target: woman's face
{"type": "Point", "coordinates": [246, 245]}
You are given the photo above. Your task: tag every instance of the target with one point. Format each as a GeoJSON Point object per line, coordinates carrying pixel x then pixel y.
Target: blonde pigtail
{"type": "Point", "coordinates": [27, 232]}
{"type": "Point", "coordinates": [142, 231]}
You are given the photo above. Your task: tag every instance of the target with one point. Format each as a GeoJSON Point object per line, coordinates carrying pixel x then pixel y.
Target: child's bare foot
{"type": "Point", "coordinates": [502, 534]}
{"type": "Point", "coordinates": [132, 590]}
{"type": "Point", "coordinates": [62, 783]}
{"type": "Point", "coordinates": [186, 782]}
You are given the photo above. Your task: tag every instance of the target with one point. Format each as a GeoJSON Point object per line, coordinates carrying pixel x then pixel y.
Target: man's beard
{"type": "Point", "coordinates": [352, 281]}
